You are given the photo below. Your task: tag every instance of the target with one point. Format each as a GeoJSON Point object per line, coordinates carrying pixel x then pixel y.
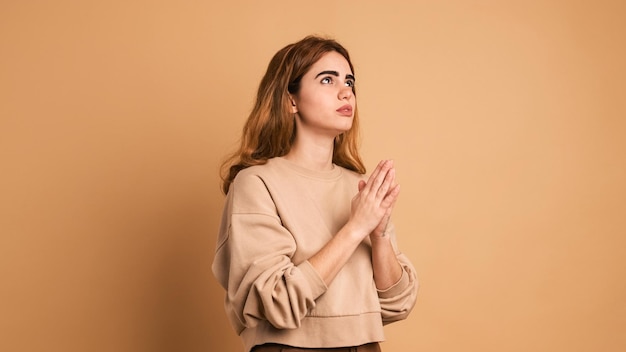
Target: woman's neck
{"type": "Point", "coordinates": [312, 154]}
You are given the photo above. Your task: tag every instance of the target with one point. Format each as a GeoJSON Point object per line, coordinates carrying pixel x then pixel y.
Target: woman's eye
{"type": "Point", "coordinates": [350, 83]}
{"type": "Point", "coordinates": [326, 80]}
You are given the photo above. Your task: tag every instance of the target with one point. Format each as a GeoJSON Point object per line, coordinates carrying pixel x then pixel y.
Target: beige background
{"type": "Point", "coordinates": [506, 120]}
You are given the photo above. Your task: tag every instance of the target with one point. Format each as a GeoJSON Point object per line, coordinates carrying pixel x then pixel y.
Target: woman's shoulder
{"type": "Point", "coordinates": [250, 173]}
{"type": "Point", "coordinates": [250, 187]}
{"type": "Point", "coordinates": [255, 175]}
{"type": "Point", "coordinates": [256, 170]}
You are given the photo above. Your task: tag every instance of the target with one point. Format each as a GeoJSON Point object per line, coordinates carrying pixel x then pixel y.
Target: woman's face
{"type": "Point", "coordinates": [325, 103]}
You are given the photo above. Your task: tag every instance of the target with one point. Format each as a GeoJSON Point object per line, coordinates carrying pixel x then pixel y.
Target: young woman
{"type": "Point", "coordinates": [305, 251]}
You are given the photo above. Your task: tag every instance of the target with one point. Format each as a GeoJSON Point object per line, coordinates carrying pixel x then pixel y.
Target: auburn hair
{"type": "Point", "coordinates": [270, 129]}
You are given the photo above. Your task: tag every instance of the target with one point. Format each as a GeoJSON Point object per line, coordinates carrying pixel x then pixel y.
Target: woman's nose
{"type": "Point", "coordinates": [345, 93]}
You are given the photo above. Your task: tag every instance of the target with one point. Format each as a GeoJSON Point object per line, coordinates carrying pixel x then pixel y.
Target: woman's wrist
{"type": "Point", "coordinates": [354, 231]}
{"type": "Point", "coordinates": [383, 238]}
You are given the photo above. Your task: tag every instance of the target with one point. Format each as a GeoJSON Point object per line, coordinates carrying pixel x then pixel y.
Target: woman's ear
{"type": "Point", "coordinates": [294, 108]}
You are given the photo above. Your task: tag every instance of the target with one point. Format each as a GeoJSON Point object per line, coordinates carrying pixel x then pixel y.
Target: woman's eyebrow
{"type": "Point", "coordinates": [336, 74]}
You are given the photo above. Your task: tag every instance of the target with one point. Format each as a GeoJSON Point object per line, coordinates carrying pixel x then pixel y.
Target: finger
{"type": "Point", "coordinates": [391, 197]}
{"type": "Point", "coordinates": [380, 176]}
{"type": "Point", "coordinates": [388, 182]}
{"type": "Point", "coordinates": [375, 173]}
{"type": "Point", "coordinates": [362, 185]}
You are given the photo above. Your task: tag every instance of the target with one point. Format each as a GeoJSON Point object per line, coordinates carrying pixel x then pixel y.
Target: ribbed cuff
{"type": "Point", "coordinates": [318, 286]}
{"type": "Point", "coordinates": [396, 288]}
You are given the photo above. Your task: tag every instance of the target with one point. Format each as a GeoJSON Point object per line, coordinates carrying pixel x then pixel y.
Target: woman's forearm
{"type": "Point", "coordinates": [335, 254]}
{"type": "Point", "coordinates": [387, 269]}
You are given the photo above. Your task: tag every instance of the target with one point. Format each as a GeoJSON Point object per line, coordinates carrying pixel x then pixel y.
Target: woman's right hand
{"type": "Point", "coordinates": [374, 199]}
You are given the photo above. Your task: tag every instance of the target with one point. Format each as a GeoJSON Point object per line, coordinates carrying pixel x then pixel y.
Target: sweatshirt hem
{"type": "Point", "coordinates": [319, 332]}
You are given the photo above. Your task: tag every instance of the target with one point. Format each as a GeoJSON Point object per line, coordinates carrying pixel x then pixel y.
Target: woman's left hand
{"type": "Point", "coordinates": [379, 231]}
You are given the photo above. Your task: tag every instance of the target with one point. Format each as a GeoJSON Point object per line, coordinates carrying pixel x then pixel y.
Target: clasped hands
{"type": "Point", "coordinates": [372, 206]}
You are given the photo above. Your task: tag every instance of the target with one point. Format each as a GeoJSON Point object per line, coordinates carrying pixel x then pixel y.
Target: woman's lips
{"type": "Point", "coordinates": [345, 110]}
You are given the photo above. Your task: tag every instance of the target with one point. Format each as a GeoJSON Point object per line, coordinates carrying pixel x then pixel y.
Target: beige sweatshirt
{"type": "Point", "coordinates": [276, 216]}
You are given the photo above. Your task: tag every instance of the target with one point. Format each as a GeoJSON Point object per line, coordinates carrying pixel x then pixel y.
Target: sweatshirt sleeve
{"type": "Point", "coordinates": [398, 300]}
{"type": "Point", "coordinates": [253, 261]}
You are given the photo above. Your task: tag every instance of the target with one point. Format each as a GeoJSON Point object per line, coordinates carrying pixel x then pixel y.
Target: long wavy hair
{"type": "Point", "coordinates": [270, 129]}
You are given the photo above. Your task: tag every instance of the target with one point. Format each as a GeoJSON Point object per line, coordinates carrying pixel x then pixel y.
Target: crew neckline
{"type": "Point", "coordinates": [331, 174]}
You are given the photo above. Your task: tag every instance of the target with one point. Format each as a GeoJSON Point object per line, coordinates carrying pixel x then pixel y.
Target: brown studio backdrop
{"type": "Point", "coordinates": [505, 119]}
